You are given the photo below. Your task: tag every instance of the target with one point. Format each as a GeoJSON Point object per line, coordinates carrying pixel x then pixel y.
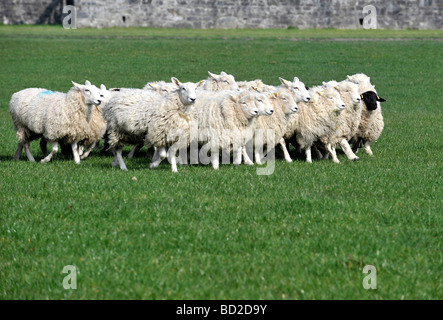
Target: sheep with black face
{"type": "Point", "coordinates": [371, 124]}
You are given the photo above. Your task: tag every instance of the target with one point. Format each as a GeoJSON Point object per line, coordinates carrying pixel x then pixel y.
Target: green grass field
{"type": "Point", "coordinates": [304, 232]}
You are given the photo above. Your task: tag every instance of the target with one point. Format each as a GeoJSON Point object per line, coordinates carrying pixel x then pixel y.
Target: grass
{"type": "Point", "coordinates": [304, 232]}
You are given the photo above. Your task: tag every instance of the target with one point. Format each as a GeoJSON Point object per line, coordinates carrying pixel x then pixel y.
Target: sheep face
{"type": "Point", "coordinates": [370, 99]}
{"type": "Point", "coordinates": [300, 91]}
{"type": "Point", "coordinates": [91, 94]}
{"type": "Point", "coordinates": [186, 91]}
{"type": "Point", "coordinates": [359, 78]}
{"type": "Point", "coordinates": [224, 81]}
{"type": "Point", "coordinates": [160, 87]}
{"type": "Point", "coordinates": [107, 94]}
{"type": "Point", "coordinates": [246, 102]}
{"type": "Point", "coordinates": [349, 89]}
{"type": "Point", "coordinates": [333, 99]}
{"type": "Point", "coordinates": [287, 101]}
{"type": "Point", "coordinates": [263, 104]}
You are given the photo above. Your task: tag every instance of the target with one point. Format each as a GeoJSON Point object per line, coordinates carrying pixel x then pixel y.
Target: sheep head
{"type": "Point", "coordinates": [91, 94]}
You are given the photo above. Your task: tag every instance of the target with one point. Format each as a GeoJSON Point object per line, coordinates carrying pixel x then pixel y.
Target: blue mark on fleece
{"type": "Point", "coordinates": [46, 92]}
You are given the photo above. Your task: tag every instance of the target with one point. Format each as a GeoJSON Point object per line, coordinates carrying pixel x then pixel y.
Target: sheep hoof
{"type": "Point", "coordinates": [356, 159]}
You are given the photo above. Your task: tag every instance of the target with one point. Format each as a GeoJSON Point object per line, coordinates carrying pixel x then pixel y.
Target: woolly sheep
{"type": "Point", "coordinates": [256, 85]}
{"type": "Point", "coordinates": [69, 117]}
{"type": "Point", "coordinates": [134, 119]}
{"type": "Point", "coordinates": [224, 122]}
{"type": "Point", "coordinates": [284, 105]}
{"type": "Point", "coordinates": [223, 81]}
{"type": "Point", "coordinates": [318, 118]}
{"type": "Point", "coordinates": [350, 119]}
{"type": "Point", "coordinates": [371, 124]}
{"type": "Point", "coordinates": [161, 87]}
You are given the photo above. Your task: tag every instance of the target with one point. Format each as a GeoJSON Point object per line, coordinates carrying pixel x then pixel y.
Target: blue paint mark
{"type": "Point", "coordinates": [46, 92]}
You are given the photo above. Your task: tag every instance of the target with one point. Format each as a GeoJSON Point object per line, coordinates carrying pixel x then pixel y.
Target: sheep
{"type": "Point", "coordinates": [316, 119]}
{"type": "Point", "coordinates": [371, 124]}
{"type": "Point", "coordinates": [71, 117]}
{"type": "Point", "coordinates": [350, 119]}
{"type": "Point", "coordinates": [284, 105]}
{"type": "Point", "coordinates": [136, 117]}
{"type": "Point", "coordinates": [225, 121]}
{"type": "Point", "coordinates": [298, 88]}
{"type": "Point", "coordinates": [223, 81]}
{"type": "Point", "coordinates": [66, 150]}
{"type": "Point", "coordinates": [161, 87]}
{"type": "Point", "coordinates": [256, 85]}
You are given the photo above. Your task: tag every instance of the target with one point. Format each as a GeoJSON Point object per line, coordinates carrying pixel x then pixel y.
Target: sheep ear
{"type": "Point", "coordinates": [319, 93]}
{"type": "Point", "coordinates": [380, 99]}
{"type": "Point", "coordinates": [223, 73]}
{"type": "Point", "coordinates": [348, 77]}
{"type": "Point", "coordinates": [175, 80]}
{"type": "Point", "coordinates": [233, 97]}
{"type": "Point", "coordinates": [275, 95]}
{"type": "Point", "coordinates": [87, 83]}
{"type": "Point", "coordinates": [254, 88]}
{"type": "Point", "coordinates": [151, 85]}
{"type": "Point", "coordinates": [283, 81]}
{"type": "Point", "coordinates": [103, 87]}
{"type": "Point", "coordinates": [335, 87]}
{"type": "Point", "coordinates": [212, 75]}
{"type": "Point", "coordinates": [296, 79]}
{"type": "Point", "coordinates": [77, 85]}
{"type": "Point", "coordinates": [323, 83]}
{"type": "Point", "coordinates": [202, 82]}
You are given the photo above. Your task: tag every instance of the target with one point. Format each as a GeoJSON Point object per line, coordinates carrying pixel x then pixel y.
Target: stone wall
{"type": "Point", "coordinates": [395, 14]}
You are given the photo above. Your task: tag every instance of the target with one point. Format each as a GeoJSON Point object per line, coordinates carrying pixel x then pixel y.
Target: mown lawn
{"type": "Point", "coordinates": [304, 232]}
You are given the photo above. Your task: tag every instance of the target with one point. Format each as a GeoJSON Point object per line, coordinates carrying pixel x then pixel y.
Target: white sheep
{"type": "Point", "coordinates": [71, 117]}
{"type": "Point", "coordinates": [161, 87]}
{"type": "Point", "coordinates": [371, 124]}
{"type": "Point", "coordinates": [284, 105]}
{"type": "Point", "coordinates": [256, 85]}
{"type": "Point", "coordinates": [225, 120]}
{"type": "Point", "coordinates": [349, 119]}
{"type": "Point", "coordinates": [316, 119]}
{"type": "Point", "coordinates": [223, 81]}
{"type": "Point", "coordinates": [135, 117]}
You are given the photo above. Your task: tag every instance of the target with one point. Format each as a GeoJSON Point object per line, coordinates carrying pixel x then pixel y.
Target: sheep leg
{"type": "Point", "coordinates": [75, 152]}
{"type": "Point", "coordinates": [135, 149]}
{"type": "Point", "coordinates": [308, 155]}
{"type": "Point", "coordinates": [348, 151]}
{"type": "Point", "coordinates": [332, 152]}
{"type": "Point", "coordinates": [248, 160]}
{"type": "Point", "coordinates": [318, 154]}
{"type": "Point", "coordinates": [86, 154]}
{"type": "Point", "coordinates": [43, 146]}
{"type": "Point", "coordinates": [285, 150]}
{"type": "Point", "coordinates": [172, 159]}
{"type": "Point", "coordinates": [258, 156]}
{"type": "Point", "coordinates": [163, 153]}
{"type": "Point", "coordinates": [114, 162]}
{"type": "Point", "coordinates": [368, 148]}
{"type": "Point", "coordinates": [215, 160]}
{"type": "Point", "coordinates": [54, 150]}
{"type": "Point", "coordinates": [118, 153]}
{"type": "Point", "coordinates": [156, 159]}
{"type": "Point", "coordinates": [19, 151]}
{"type": "Point", "coordinates": [237, 156]}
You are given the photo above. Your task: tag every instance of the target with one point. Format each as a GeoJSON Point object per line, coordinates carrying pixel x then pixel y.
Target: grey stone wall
{"type": "Point", "coordinates": [396, 14]}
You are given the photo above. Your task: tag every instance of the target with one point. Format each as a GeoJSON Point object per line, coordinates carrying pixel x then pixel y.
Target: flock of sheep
{"type": "Point", "coordinates": [216, 115]}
